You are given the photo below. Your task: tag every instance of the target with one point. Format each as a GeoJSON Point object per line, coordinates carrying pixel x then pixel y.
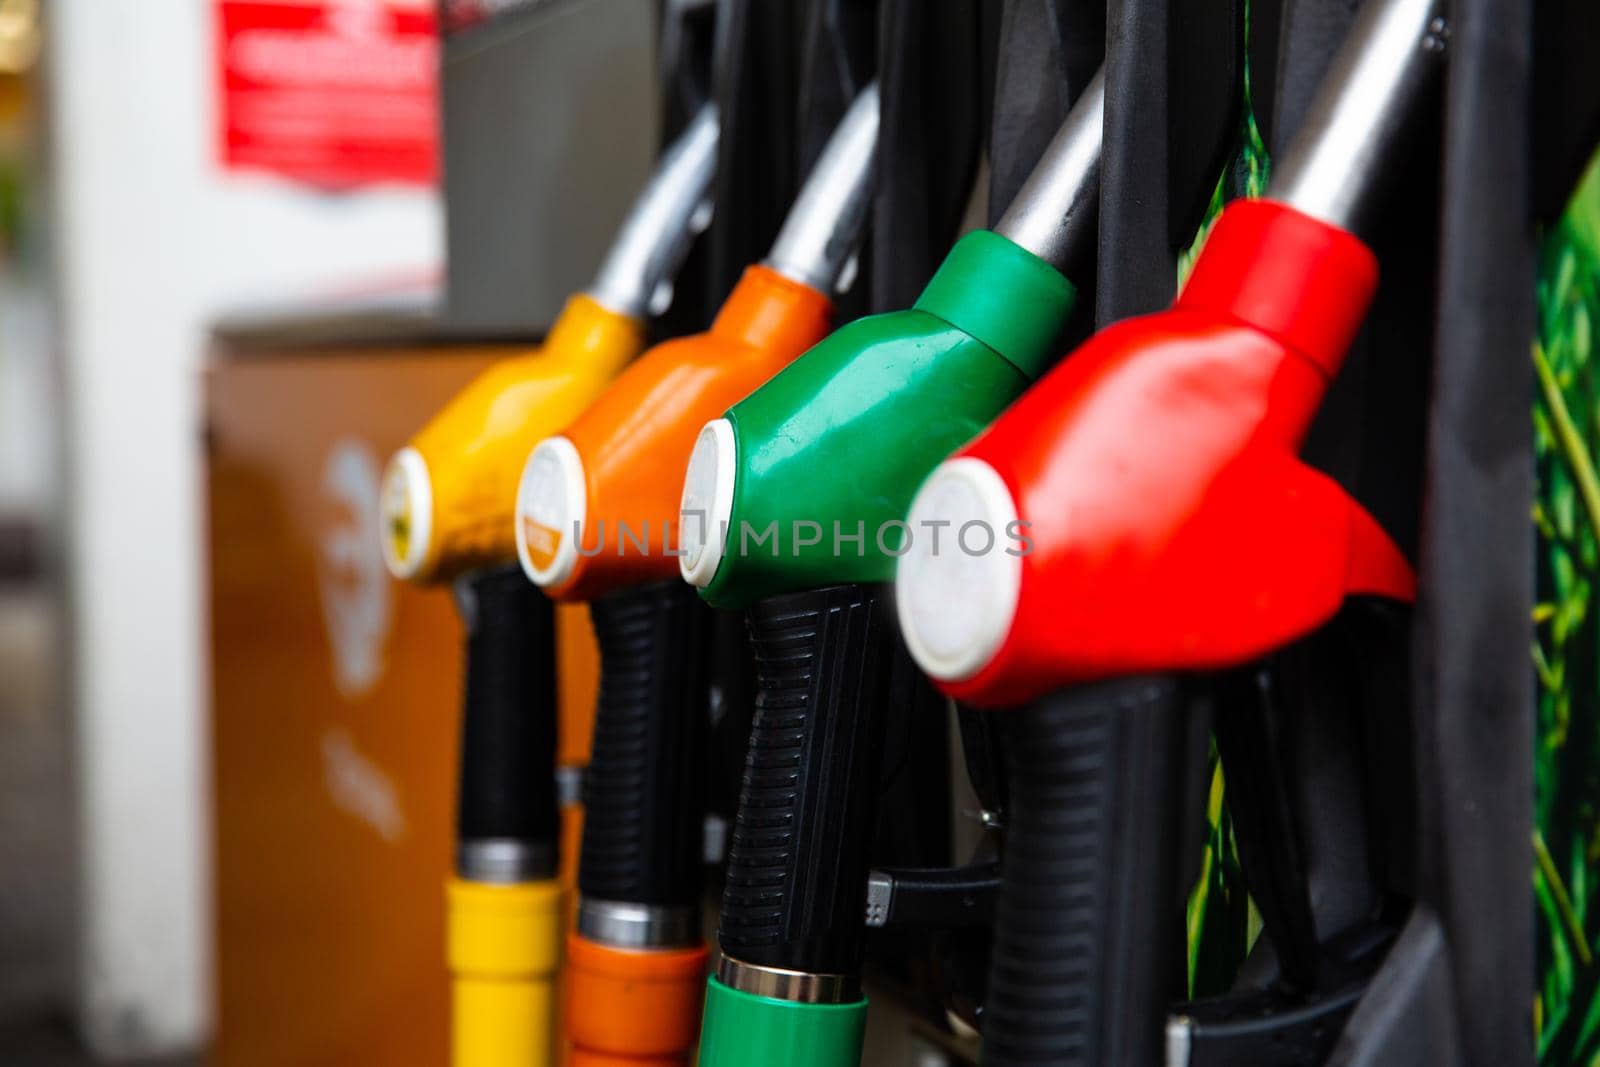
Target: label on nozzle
{"type": "Point", "coordinates": [550, 511]}
{"type": "Point", "coordinates": [406, 513]}
{"type": "Point", "coordinates": [542, 542]}
{"type": "Point", "coordinates": [396, 515]}
{"type": "Point", "coordinates": [707, 503]}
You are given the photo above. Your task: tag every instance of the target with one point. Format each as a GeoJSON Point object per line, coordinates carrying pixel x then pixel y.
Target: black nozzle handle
{"type": "Point", "coordinates": [1088, 948]}
{"type": "Point", "coordinates": [506, 820]}
{"type": "Point", "coordinates": [644, 790]}
{"type": "Point", "coordinates": [797, 864]}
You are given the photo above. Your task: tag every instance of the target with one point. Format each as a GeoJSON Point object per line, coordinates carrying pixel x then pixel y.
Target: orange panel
{"type": "Point", "coordinates": [336, 696]}
{"type": "Point", "coordinates": [580, 680]}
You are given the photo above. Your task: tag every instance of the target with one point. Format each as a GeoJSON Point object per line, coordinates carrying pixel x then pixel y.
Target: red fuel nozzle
{"type": "Point", "coordinates": [1143, 508]}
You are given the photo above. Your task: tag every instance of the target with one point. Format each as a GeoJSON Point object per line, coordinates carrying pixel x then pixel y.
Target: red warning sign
{"type": "Point", "coordinates": [333, 92]}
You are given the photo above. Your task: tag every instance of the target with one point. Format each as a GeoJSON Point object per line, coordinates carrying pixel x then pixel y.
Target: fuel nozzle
{"type": "Point", "coordinates": [446, 508]}
{"type": "Point", "coordinates": [1166, 526]}
{"type": "Point", "coordinates": [793, 507]}
{"type": "Point", "coordinates": [448, 496]}
{"type": "Point", "coordinates": [1162, 433]}
{"type": "Point", "coordinates": [827, 455]}
{"type": "Point", "coordinates": [596, 512]}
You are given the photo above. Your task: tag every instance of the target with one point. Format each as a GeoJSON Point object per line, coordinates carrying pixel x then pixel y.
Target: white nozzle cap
{"type": "Point", "coordinates": [552, 511]}
{"type": "Point", "coordinates": [707, 503]}
{"type": "Point", "coordinates": [406, 509]}
{"type": "Point", "coordinates": [957, 604]}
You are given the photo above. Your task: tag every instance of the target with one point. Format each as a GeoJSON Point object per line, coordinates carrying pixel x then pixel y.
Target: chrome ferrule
{"type": "Point", "coordinates": [504, 861]}
{"type": "Point", "coordinates": [799, 987]}
{"type": "Point", "coordinates": [621, 924]}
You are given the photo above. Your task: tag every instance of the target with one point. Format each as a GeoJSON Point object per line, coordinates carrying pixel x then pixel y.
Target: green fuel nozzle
{"type": "Point", "coordinates": [826, 454]}
{"type": "Point", "coordinates": [807, 481]}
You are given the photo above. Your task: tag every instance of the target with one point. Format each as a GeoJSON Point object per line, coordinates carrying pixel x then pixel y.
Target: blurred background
{"type": "Point", "coordinates": [163, 163]}
{"type": "Point", "coordinates": [227, 740]}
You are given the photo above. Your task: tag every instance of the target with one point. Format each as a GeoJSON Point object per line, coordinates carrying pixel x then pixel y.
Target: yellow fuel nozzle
{"type": "Point", "coordinates": [450, 494]}
{"type": "Point", "coordinates": [447, 504]}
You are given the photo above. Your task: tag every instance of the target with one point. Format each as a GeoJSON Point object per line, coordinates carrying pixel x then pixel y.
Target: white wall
{"type": "Point", "coordinates": [27, 460]}
{"type": "Point", "coordinates": [151, 240]}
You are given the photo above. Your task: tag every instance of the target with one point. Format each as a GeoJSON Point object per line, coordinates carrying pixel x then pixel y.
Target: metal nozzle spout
{"type": "Point", "coordinates": [1334, 166]}
{"type": "Point", "coordinates": [1056, 213]}
{"type": "Point", "coordinates": [823, 229]}
{"type": "Point", "coordinates": [672, 210]}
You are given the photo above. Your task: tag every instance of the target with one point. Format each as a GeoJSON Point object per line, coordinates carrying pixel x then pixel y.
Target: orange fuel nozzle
{"type": "Point", "coordinates": [636, 963]}
{"type": "Point", "coordinates": [598, 507]}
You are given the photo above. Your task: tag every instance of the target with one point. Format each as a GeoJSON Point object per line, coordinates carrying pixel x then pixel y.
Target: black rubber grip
{"type": "Point", "coordinates": [795, 893]}
{"type": "Point", "coordinates": [508, 729]}
{"type": "Point", "coordinates": [644, 790]}
{"type": "Point", "coordinates": [1088, 948]}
